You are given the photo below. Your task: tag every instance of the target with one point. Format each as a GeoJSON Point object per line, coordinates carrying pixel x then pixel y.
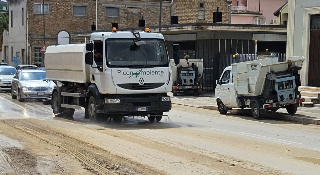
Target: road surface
{"type": "Point", "coordinates": [188, 141]}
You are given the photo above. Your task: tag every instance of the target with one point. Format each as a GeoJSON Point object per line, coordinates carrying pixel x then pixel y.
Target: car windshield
{"type": "Point", "coordinates": [33, 76]}
{"type": "Point", "coordinates": [7, 71]}
{"type": "Point", "coordinates": [121, 53]}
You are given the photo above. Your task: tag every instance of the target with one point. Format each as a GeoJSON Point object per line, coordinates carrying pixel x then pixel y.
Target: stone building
{"type": "Point", "coordinates": [27, 23]}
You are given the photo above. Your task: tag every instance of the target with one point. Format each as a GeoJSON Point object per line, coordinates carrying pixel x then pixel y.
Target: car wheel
{"type": "Point", "coordinates": [292, 109]}
{"type": "Point", "coordinates": [255, 110]}
{"type": "Point", "coordinates": [12, 94]}
{"type": "Point", "coordinates": [92, 110]}
{"type": "Point", "coordinates": [19, 98]}
{"type": "Point", "coordinates": [151, 119]}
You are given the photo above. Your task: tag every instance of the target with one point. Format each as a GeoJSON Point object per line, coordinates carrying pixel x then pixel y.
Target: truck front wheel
{"type": "Point", "coordinates": [92, 110]}
{"type": "Point", "coordinates": [222, 108]}
{"type": "Point", "coordinates": [255, 110]}
{"type": "Point", "coordinates": [292, 109]}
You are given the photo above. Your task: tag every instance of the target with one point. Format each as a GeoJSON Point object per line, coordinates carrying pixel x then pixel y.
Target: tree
{"type": "Point", "coordinates": [4, 22]}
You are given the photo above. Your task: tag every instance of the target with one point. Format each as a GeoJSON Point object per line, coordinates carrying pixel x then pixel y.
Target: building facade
{"type": "Point", "coordinates": [303, 34]}
{"type": "Point", "coordinates": [33, 24]}
{"type": "Point", "coordinates": [255, 11]}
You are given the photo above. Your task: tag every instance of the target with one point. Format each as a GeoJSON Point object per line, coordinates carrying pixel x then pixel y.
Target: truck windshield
{"type": "Point", "coordinates": [119, 54]}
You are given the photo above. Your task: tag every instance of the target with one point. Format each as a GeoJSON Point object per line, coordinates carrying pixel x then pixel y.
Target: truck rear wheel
{"type": "Point", "coordinates": [292, 109]}
{"type": "Point", "coordinates": [255, 109]}
{"type": "Point", "coordinates": [221, 107]}
{"type": "Point", "coordinates": [92, 110]}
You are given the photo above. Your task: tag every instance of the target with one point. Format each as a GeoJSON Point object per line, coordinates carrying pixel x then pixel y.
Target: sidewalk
{"type": "Point", "coordinates": [305, 115]}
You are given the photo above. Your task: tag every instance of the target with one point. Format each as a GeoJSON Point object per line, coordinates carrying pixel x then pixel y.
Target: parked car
{"type": "Point", "coordinates": [31, 84]}
{"type": "Point", "coordinates": [3, 64]}
{"type": "Point", "coordinates": [6, 76]}
{"type": "Point", "coordinates": [23, 66]}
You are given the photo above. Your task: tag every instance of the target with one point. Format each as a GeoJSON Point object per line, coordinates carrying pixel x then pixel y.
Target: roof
{"type": "Point", "coordinates": [276, 13]}
{"type": "Point", "coordinates": [31, 70]}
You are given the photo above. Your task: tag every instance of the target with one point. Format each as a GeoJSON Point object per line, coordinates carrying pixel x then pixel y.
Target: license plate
{"type": "Point", "coordinates": [40, 93]}
{"type": "Point", "coordinates": [187, 87]}
{"type": "Point", "coordinates": [142, 109]}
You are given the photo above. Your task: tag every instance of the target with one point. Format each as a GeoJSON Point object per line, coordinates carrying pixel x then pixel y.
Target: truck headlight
{"type": "Point", "coordinates": [24, 89]}
{"type": "Point", "coordinates": [112, 100]}
{"type": "Point", "coordinates": [165, 99]}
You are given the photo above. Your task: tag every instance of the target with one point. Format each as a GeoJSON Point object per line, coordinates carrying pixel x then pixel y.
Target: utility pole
{"type": "Point", "coordinates": [96, 14]}
{"type": "Point", "coordinates": [160, 16]}
{"type": "Point", "coordinates": [44, 31]}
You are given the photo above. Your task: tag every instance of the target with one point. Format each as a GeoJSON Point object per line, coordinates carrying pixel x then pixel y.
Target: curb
{"type": "Point", "coordinates": [286, 117]}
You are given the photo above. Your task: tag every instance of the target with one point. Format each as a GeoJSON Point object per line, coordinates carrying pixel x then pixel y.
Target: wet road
{"type": "Point", "coordinates": [188, 141]}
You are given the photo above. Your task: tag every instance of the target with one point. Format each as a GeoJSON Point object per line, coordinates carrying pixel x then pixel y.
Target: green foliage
{"type": "Point", "coordinates": [4, 22]}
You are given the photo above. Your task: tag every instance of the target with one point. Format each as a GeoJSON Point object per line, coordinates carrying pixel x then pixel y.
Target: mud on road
{"type": "Point", "coordinates": [32, 141]}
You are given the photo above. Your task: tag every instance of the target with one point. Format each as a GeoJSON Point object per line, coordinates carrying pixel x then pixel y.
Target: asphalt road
{"type": "Point", "coordinates": [188, 141]}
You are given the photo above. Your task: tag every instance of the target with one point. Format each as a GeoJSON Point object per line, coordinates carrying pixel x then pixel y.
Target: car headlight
{"type": "Point", "coordinates": [24, 88]}
{"type": "Point", "coordinates": [112, 100]}
{"type": "Point", "coordinates": [165, 99]}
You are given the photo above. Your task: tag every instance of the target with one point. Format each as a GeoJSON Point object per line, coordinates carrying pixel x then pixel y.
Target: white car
{"type": "Point", "coordinates": [6, 76]}
{"type": "Point", "coordinates": [31, 84]}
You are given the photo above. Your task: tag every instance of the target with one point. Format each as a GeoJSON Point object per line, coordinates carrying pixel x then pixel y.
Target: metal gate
{"type": "Point", "coordinates": [314, 52]}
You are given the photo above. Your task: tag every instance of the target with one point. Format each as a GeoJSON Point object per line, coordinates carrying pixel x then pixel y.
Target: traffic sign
{"type": "Point", "coordinates": [43, 48]}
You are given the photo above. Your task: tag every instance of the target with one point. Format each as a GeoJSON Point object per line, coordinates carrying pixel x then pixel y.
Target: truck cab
{"type": "Point", "coordinates": [225, 90]}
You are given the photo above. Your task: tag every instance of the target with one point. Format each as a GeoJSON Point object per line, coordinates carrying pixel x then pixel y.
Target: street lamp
{"type": "Point", "coordinates": [96, 14]}
{"type": "Point", "coordinates": [160, 16]}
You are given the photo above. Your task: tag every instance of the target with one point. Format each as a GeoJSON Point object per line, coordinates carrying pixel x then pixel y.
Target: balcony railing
{"type": "Point", "coordinates": [239, 8]}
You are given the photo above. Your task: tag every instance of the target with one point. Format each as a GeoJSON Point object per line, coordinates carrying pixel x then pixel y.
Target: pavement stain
{"type": "Point", "coordinates": [309, 159]}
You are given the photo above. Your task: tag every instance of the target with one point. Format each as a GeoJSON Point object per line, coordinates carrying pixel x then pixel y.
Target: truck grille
{"type": "Point", "coordinates": [136, 86]}
{"type": "Point", "coordinates": [40, 88]}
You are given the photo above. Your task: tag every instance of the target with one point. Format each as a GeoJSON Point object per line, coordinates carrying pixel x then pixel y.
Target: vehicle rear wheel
{"type": "Point", "coordinates": [255, 109]}
{"type": "Point", "coordinates": [222, 108]}
{"type": "Point", "coordinates": [55, 103]}
{"type": "Point", "coordinates": [158, 118]}
{"type": "Point", "coordinates": [151, 119]}
{"type": "Point", "coordinates": [12, 94]}
{"type": "Point", "coordinates": [92, 110]}
{"type": "Point", "coordinates": [117, 119]}
{"type": "Point", "coordinates": [292, 109]}
{"type": "Point", "coordinates": [19, 98]}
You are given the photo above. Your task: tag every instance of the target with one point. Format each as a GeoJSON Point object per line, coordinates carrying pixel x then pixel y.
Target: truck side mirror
{"type": "Point", "coordinates": [176, 50]}
{"type": "Point", "coordinates": [89, 47]}
{"type": "Point", "coordinates": [89, 58]}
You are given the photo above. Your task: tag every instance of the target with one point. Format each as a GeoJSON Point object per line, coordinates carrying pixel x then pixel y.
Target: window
{"type": "Point", "coordinates": [37, 8]}
{"type": "Point", "coordinates": [79, 10]}
{"type": "Point", "coordinates": [4, 8]}
{"type": "Point", "coordinates": [112, 12]}
{"type": "Point", "coordinates": [201, 5]}
{"type": "Point", "coordinates": [226, 77]}
{"type": "Point", "coordinates": [37, 55]}
{"type": "Point", "coordinates": [202, 14]}
{"type": "Point", "coordinates": [11, 19]}
{"type": "Point", "coordinates": [22, 16]}
{"type": "Point", "coordinates": [11, 54]}
{"type": "Point", "coordinates": [257, 21]}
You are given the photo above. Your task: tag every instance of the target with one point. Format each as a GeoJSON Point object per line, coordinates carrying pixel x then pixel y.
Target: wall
{"type": "Point", "coordinates": [267, 7]}
{"type": "Point", "coordinates": [188, 10]}
{"type": "Point", "coordinates": [17, 33]}
{"type": "Point", "coordinates": [299, 31]}
{"type": "Point", "coordinates": [242, 19]}
{"type": "Point", "coordinates": [5, 46]}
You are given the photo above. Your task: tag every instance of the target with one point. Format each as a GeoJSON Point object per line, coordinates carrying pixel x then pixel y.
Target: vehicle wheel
{"type": "Point", "coordinates": [222, 108]}
{"type": "Point", "coordinates": [292, 109]}
{"type": "Point", "coordinates": [174, 93]}
{"type": "Point", "coordinates": [55, 103]}
{"type": "Point", "coordinates": [274, 109]}
{"type": "Point", "coordinates": [255, 110]}
{"type": "Point", "coordinates": [12, 94]}
{"type": "Point", "coordinates": [19, 98]}
{"type": "Point", "coordinates": [158, 118]}
{"type": "Point", "coordinates": [117, 119]}
{"type": "Point", "coordinates": [151, 119]}
{"type": "Point", "coordinates": [68, 114]}
{"type": "Point", "coordinates": [92, 110]}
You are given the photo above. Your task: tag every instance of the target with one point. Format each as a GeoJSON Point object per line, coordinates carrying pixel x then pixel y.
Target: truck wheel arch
{"type": "Point", "coordinates": [93, 90]}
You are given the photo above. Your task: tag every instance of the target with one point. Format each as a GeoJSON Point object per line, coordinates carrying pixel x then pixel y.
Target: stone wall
{"type": "Point", "coordinates": [188, 11]}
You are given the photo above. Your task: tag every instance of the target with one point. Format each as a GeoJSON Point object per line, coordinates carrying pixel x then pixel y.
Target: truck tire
{"type": "Point", "coordinates": [156, 117]}
{"type": "Point", "coordinates": [292, 109]}
{"type": "Point", "coordinates": [92, 110]}
{"type": "Point", "coordinates": [12, 94]}
{"type": "Point", "coordinates": [221, 107]}
{"type": "Point", "coordinates": [256, 109]}
{"type": "Point", "coordinates": [57, 110]}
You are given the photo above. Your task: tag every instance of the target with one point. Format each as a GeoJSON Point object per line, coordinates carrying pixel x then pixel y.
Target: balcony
{"type": "Point", "coordinates": [239, 8]}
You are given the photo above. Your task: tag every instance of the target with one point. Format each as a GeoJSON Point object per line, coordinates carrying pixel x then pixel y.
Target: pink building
{"type": "Point", "coordinates": [255, 11]}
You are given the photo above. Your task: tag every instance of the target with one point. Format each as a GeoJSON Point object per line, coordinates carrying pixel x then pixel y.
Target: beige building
{"type": "Point", "coordinates": [28, 24]}
{"type": "Point", "coordinates": [302, 38]}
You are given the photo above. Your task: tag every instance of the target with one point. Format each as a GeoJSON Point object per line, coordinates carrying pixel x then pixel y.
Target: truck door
{"type": "Point", "coordinates": [223, 87]}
